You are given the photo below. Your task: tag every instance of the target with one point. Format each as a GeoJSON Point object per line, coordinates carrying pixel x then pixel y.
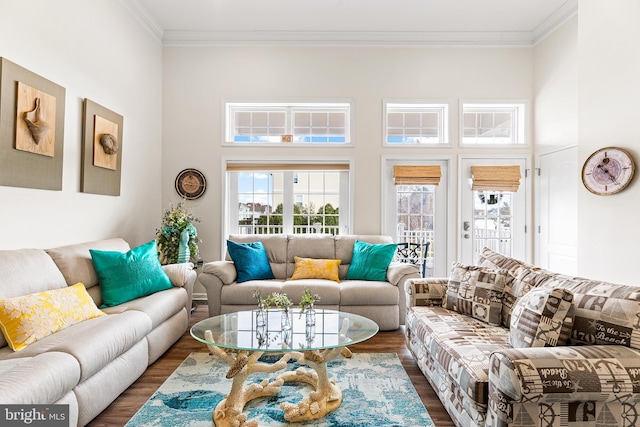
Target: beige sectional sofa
{"type": "Point", "coordinates": [481, 377]}
{"type": "Point", "coordinates": [381, 301]}
{"type": "Point", "coordinates": [88, 364]}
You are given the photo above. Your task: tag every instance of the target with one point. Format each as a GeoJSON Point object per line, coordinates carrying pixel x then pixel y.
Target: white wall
{"type": "Point", "coordinates": [609, 109]}
{"type": "Point", "coordinates": [197, 80]}
{"type": "Point", "coordinates": [555, 79]}
{"type": "Point", "coordinates": [97, 50]}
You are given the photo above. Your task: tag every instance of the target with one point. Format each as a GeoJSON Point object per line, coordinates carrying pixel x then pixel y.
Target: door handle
{"type": "Point", "coordinates": [466, 225]}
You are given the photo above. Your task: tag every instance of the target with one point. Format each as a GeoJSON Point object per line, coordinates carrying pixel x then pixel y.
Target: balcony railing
{"type": "Point", "coordinates": [297, 229]}
{"type": "Point", "coordinates": [420, 238]}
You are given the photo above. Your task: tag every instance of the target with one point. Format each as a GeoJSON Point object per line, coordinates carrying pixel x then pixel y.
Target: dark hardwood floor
{"type": "Point", "coordinates": [126, 405]}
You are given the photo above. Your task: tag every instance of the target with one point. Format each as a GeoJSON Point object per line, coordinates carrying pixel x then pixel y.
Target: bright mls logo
{"type": "Point", "coordinates": [34, 415]}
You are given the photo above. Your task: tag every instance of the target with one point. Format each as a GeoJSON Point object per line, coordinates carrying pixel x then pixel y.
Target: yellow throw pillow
{"type": "Point", "coordinates": [309, 268]}
{"type": "Point", "coordinates": [28, 318]}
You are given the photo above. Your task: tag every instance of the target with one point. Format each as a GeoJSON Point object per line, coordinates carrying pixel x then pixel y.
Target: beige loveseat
{"type": "Point", "coordinates": [88, 364]}
{"type": "Point", "coordinates": [381, 301]}
{"type": "Point", "coordinates": [591, 380]}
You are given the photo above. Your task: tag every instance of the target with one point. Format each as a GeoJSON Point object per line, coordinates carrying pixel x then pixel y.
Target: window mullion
{"type": "Point", "coordinates": [288, 202]}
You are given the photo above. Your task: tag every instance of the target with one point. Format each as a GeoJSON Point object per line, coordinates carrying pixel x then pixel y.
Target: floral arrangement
{"type": "Point", "coordinates": [176, 219]}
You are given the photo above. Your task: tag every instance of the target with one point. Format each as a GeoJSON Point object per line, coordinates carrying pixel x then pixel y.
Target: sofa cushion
{"type": "Point", "coordinates": [128, 275]}
{"type": "Point", "coordinates": [275, 246]}
{"type": "Point", "coordinates": [361, 292]}
{"type": "Point", "coordinates": [542, 318]}
{"type": "Point", "coordinates": [493, 259]}
{"type": "Point", "coordinates": [605, 313]}
{"type": "Point", "coordinates": [27, 271]}
{"type": "Point", "coordinates": [344, 247]}
{"type": "Point", "coordinates": [75, 263]}
{"type": "Point", "coordinates": [477, 292]}
{"type": "Point", "coordinates": [28, 318]}
{"type": "Point", "coordinates": [370, 261]}
{"type": "Point", "coordinates": [250, 260]}
{"type": "Point", "coordinates": [242, 293]}
{"type": "Point", "coordinates": [318, 246]}
{"type": "Point", "coordinates": [159, 306]}
{"type": "Point", "coordinates": [310, 268]}
{"type": "Point", "coordinates": [526, 278]}
{"type": "Point", "coordinates": [457, 347]}
{"type": "Point", "coordinates": [328, 290]}
{"type": "Point", "coordinates": [45, 378]}
{"type": "Point", "coordinates": [94, 343]}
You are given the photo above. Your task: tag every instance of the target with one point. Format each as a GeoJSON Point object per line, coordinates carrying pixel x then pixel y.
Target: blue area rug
{"type": "Point", "coordinates": [376, 391]}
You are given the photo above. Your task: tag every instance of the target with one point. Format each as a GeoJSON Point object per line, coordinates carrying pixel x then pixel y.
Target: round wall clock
{"type": "Point", "coordinates": [190, 184]}
{"type": "Point", "coordinates": [608, 171]}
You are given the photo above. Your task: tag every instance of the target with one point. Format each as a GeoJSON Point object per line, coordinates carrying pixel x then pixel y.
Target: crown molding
{"type": "Point", "coordinates": [346, 38]}
{"type": "Point", "coordinates": [352, 38]}
{"type": "Point", "coordinates": [559, 17]}
{"type": "Point", "coordinates": [143, 17]}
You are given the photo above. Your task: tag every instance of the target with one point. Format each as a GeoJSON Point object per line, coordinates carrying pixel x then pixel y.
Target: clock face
{"type": "Point", "coordinates": [608, 171]}
{"type": "Point", "coordinates": [191, 184]}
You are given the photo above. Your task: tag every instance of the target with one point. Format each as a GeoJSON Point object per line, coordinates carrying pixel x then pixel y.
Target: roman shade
{"type": "Point", "coordinates": [495, 178]}
{"type": "Point", "coordinates": [416, 175]}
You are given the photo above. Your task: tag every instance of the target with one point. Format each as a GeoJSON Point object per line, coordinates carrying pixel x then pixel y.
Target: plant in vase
{"type": "Point", "coordinates": [281, 301]}
{"type": "Point", "coordinates": [307, 304]}
{"type": "Point", "coordinates": [177, 237]}
{"type": "Point", "coordinates": [263, 305]}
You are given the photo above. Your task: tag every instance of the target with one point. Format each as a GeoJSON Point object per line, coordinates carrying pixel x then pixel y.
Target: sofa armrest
{"type": "Point", "coordinates": [224, 270]}
{"type": "Point", "coordinates": [397, 274]}
{"type": "Point", "coordinates": [398, 271]}
{"type": "Point", "coordinates": [179, 274]}
{"type": "Point", "coordinates": [593, 373]}
{"type": "Point", "coordinates": [428, 291]}
{"type": "Point", "coordinates": [183, 276]}
{"type": "Point", "coordinates": [215, 275]}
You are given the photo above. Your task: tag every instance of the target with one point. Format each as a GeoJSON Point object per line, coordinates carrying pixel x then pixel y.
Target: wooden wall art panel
{"type": "Point", "coordinates": [31, 129]}
{"type": "Point", "coordinates": [101, 150]}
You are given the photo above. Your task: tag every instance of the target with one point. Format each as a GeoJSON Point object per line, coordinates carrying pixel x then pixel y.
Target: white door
{"type": "Point", "coordinates": [430, 206]}
{"type": "Point", "coordinates": [557, 210]}
{"type": "Point", "coordinates": [497, 220]}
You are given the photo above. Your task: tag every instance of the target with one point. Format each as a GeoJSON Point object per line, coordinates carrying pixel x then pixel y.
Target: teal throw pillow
{"type": "Point", "coordinates": [370, 262]}
{"type": "Point", "coordinates": [250, 260]}
{"type": "Point", "coordinates": [125, 276]}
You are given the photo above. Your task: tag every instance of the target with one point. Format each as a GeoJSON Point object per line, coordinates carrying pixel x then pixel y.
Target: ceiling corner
{"type": "Point", "coordinates": [145, 19]}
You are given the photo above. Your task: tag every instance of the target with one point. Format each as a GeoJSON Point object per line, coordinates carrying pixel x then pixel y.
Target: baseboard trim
{"type": "Point", "coordinates": [199, 296]}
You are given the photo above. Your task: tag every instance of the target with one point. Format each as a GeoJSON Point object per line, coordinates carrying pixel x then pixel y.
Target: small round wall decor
{"type": "Point", "coordinates": [608, 171]}
{"type": "Point", "coordinates": [191, 184]}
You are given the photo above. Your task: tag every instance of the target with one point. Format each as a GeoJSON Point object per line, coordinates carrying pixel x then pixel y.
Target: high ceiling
{"type": "Point", "coordinates": [369, 22]}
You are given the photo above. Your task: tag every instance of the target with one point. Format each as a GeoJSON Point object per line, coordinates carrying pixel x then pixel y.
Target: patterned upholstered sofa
{"type": "Point", "coordinates": [587, 373]}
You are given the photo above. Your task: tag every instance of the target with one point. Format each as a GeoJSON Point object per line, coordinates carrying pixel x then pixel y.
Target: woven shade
{"type": "Point", "coordinates": [495, 178]}
{"type": "Point", "coordinates": [416, 175]}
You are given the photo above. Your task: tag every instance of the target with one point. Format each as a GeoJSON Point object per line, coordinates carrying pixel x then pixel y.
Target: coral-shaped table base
{"type": "Point", "coordinates": [326, 397]}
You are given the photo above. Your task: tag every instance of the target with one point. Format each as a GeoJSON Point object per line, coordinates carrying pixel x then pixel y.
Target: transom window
{"type": "Point", "coordinates": [410, 123]}
{"type": "Point", "coordinates": [301, 123]}
{"type": "Point", "coordinates": [494, 123]}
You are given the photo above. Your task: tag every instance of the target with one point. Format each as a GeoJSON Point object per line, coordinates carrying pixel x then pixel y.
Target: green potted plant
{"type": "Point", "coordinates": [177, 223]}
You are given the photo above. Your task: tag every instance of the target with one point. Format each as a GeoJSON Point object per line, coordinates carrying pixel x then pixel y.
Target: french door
{"type": "Point", "coordinates": [419, 214]}
{"type": "Point", "coordinates": [498, 220]}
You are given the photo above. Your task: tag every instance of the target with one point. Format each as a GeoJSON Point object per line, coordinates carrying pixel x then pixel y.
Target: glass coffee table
{"type": "Point", "coordinates": [310, 338]}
